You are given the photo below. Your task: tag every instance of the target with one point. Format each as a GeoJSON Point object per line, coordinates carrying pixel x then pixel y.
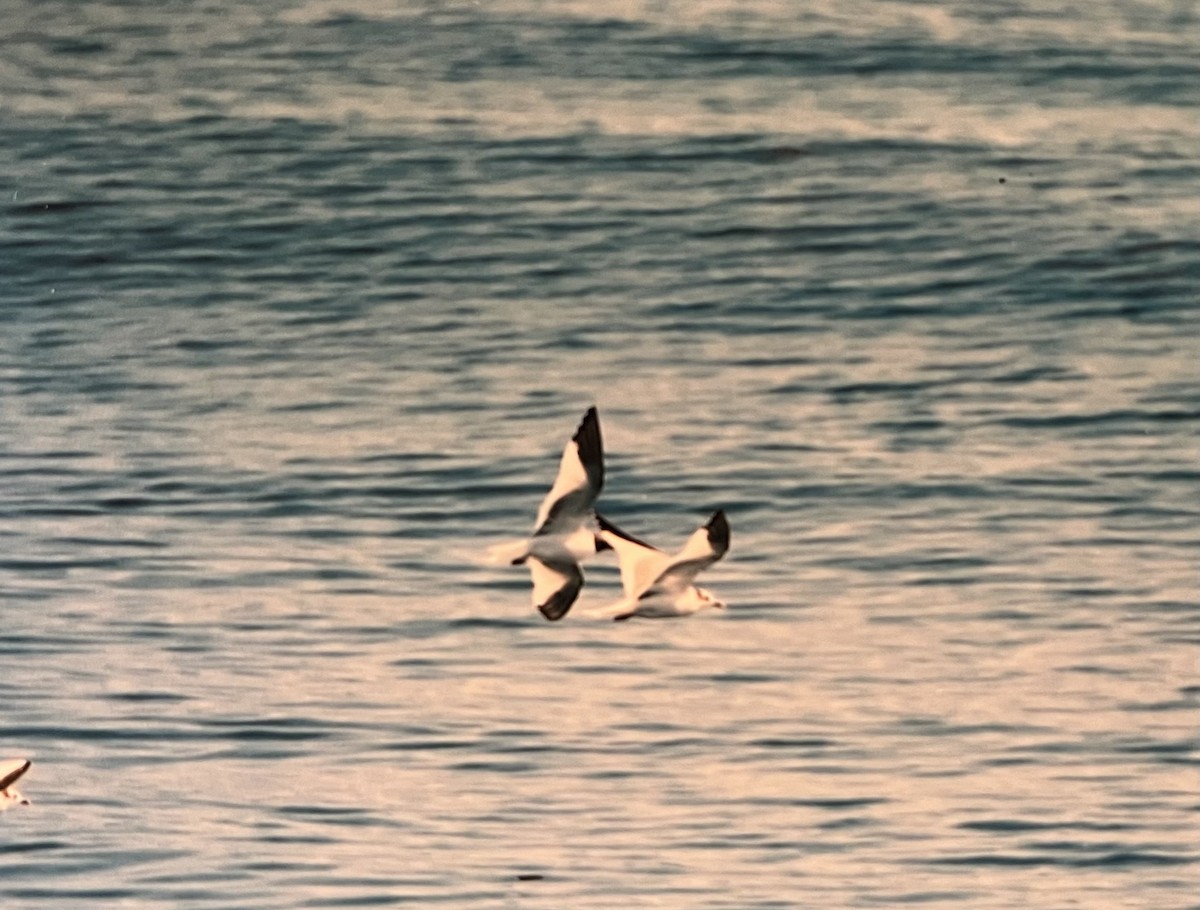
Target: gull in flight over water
{"type": "Point", "coordinates": [658, 585]}
{"type": "Point", "coordinates": [565, 532]}
{"type": "Point", "coordinates": [10, 772]}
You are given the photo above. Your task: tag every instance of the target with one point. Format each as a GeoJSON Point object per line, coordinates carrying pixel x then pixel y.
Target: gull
{"type": "Point", "coordinates": [11, 772]}
{"type": "Point", "coordinates": [565, 532]}
{"type": "Point", "coordinates": [658, 585]}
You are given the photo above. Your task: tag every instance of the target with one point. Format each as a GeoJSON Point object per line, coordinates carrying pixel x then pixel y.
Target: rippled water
{"type": "Point", "coordinates": [301, 301]}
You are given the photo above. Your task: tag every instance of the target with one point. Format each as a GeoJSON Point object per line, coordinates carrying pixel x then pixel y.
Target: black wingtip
{"type": "Point", "coordinates": [609, 527]}
{"type": "Point", "coordinates": [13, 776]}
{"type": "Point", "coordinates": [606, 525]}
{"type": "Point", "coordinates": [718, 531]}
{"type": "Point", "coordinates": [558, 604]}
{"type": "Point", "coordinates": [591, 447]}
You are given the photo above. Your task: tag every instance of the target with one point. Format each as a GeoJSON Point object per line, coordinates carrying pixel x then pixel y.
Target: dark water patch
{"type": "Point", "coordinates": [524, 749]}
{"type": "Point", "coordinates": [903, 564]}
{"type": "Point", "coordinates": [583, 669]}
{"type": "Point", "coordinates": [831, 804]}
{"type": "Point", "coordinates": [650, 726]}
{"type": "Point", "coordinates": [33, 846]}
{"type": "Point", "coordinates": [159, 732]}
{"type": "Point", "coordinates": [847, 823]}
{"type": "Point", "coordinates": [114, 542]}
{"type": "Point", "coordinates": [282, 729]}
{"type": "Point", "coordinates": [429, 745]}
{"type": "Point", "coordinates": [389, 899]}
{"type": "Point", "coordinates": [58, 206]}
{"type": "Point", "coordinates": [124, 503]}
{"type": "Point", "coordinates": [1009, 616]}
{"type": "Point", "coordinates": [917, 425]}
{"type": "Point", "coordinates": [1117, 859]}
{"type": "Point", "coordinates": [1159, 747]}
{"type": "Point", "coordinates": [483, 622]}
{"type": "Point", "coordinates": [61, 893]}
{"type": "Point", "coordinates": [1098, 420]}
{"type": "Point", "coordinates": [69, 45]}
{"type": "Point", "coordinates": [211, 345]}
{"type": "Point", "coordinates": [1021, 826]}
{"type": "Point", "coordinates": [616, 774]}
{"type": "Point", "coordinates": [784, 742]}
{"type": "Point", "coordinates": [733, 678]}
{"type": "Point", "coordinates": [1095, 670]}
{"type": "Point", "coordinates": [963, 898]}
{"type": "Point", "coordinates": [515, 733]}
{"type": "Point", "coordinates": [78, 861]}
{"type": "Point", "coordinates": [51, 455]}
{"type": "Point", "coordinates": [1182, 609]}
{"type": "Point", "coordinates": [279, 865]}
{"type": "Point", "coordinates": [1008, 762]}
{"type": "Point", "coordinates": [932, 726]}
{"type": "Point", "coordinates": [303, 407]}
{"type": "Point", "coordinates": [323, 812]}
{"type": "Point", "coordinates": [22, 644]}
{"type": "Point", "coordinates": [678, 745]}
{"type": "Point", "coordinates": [311, 840]}
{"type": "Point", "coordinates": [1084, 592]}
{"type": "Point", "coordinates": [939, 581]}
{"type": "Point", "coordinates": [59, 567]}
{"type": "Point", "coordinates": [495, 766]}
{"type": "Point", "coordinates": [250, 752]}
{"type": "Point", "coordinates": [142, 697]}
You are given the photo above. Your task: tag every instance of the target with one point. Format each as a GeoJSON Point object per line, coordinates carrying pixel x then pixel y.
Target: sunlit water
{"type": "Point", "coordinates": [301, 302]}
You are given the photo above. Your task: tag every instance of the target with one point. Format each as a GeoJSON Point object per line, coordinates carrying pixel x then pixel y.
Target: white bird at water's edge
{"type": "Point", "coordinates": [565, 532]}
{"type": "Point", "coordinates": [12, 771]}
{"type": "Point", "coordinates": [658, 585]}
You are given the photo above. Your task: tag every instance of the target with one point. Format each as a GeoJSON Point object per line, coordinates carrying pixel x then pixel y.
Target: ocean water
{"type": "Point", "coordinates": [300, 302]}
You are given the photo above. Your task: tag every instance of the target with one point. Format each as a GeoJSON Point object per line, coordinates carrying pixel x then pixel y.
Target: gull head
{"type": "Point", "coordinates": [12, 797]}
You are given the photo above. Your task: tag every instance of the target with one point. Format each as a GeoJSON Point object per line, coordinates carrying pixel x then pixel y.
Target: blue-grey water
{"type": "Point", "coordinates": [300, 301]}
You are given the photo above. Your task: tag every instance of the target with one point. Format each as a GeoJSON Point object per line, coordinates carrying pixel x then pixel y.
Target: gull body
{"type": "Point", "coordinates": [565, 531]}
{"type": "Point", "coordinates": [10, 772]}
{"type": "Point", "coordinates": [658, 585]}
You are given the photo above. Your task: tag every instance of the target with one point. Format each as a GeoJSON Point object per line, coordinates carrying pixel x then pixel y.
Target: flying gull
{"type": "Point", "coordinates": [565, 532]}
{"type": "Point", "coordinates": [658, 585]}
{"type": "Point", "coordinates": [11, 771]}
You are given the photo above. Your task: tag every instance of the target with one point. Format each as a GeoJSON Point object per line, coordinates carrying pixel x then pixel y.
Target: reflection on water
{"type": "Point", "coordinates": [301, 301]}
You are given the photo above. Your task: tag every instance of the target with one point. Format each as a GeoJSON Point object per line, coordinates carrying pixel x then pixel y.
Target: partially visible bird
{"type": "Point", "coordinates": [12, 771]}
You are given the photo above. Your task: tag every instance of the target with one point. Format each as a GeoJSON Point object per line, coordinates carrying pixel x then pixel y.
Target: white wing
{"type": "Point", "coordinates": [706, 545]}
{"type": "Point", "coordinates": [579, 481]}
{"type": "Point", "coordinates": [640, 563]}
{"type": "Point", "coordinates": [556, 585]}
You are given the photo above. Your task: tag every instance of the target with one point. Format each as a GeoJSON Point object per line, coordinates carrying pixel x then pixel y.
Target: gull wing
{"type": "Point", "coordinates": [11, 771]}
{"type": "Point", "coordinates": [556, 585]}
{"type": "Point", "coordinates": [707, 544]}
{"type": "Point", "coordinates": [640, 563]}
{"type": "Point", "coordinates": [579, 481]}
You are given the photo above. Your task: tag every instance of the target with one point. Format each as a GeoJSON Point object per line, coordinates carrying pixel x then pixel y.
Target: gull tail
{"type": "Point", "coordinates": [619, 610]}
{"type": "Point", "coordinates": [509, 553]}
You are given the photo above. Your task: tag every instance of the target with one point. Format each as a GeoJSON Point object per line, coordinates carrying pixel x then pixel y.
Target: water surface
{"type": "Point", "coordinates": [301, 301]}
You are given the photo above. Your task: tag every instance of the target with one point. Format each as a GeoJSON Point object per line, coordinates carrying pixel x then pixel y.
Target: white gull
{"type": "Point", "coordinates": [658, 585]}
{"type": "Point", "coordinates": [564, 533]}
